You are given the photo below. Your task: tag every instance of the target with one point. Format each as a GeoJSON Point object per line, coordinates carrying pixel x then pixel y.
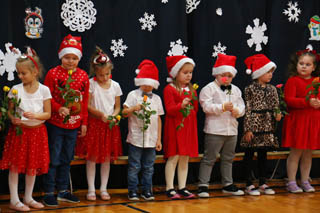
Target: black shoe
{"type": "Point", "coordinates": [147, 195]}
{"type": "Point", "coordinates": [203, 191]}
{"type": "Point", "coordinates": [68, 197]}
{"type": "Point", "coordinates": [172, 194]}
{"type": "Point", "coordinates": [232, 189]}
{"type": "Point", "coordinates": [133, 195]}
{"type": "Point", "coordinates": [185, 193]}
{"type": "Point", "coordinates": [50, 200]}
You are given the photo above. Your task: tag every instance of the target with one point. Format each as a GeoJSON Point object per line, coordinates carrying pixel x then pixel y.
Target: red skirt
{"type": "Point", "coordinates": [101, 143]}
{"type": "Point", "coordinates": [27, 153]}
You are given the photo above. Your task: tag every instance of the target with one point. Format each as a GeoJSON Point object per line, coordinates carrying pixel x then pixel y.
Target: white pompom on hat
{"type": "Point", "coordinates": [174, 64]}
{"type": "Point", "coordinates": [258, 64]}
{"type": "Point", "coordinates": [147, 74]}
{"type": "Point", "coordinates": [225, 63]}
{"type": "Point", "coordinates": [70, 45]}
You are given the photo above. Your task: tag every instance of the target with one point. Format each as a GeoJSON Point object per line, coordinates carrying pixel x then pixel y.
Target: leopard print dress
{"type": "Point", "coordinates": [261, 103]}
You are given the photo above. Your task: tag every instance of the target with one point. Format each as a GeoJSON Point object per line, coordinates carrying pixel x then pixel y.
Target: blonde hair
{"type": "Point", "coordinates": [177, 85]}
{"type": "Point", "coordinates": [33, 62]}
{"type": "Point", "coordinates": [94, 65]}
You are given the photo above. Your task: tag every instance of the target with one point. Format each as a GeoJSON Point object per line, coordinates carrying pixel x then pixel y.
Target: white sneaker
{"type": "Point", "coordinates": [251, 190]}
{"type": "Point", "coordinates": [266, 190]}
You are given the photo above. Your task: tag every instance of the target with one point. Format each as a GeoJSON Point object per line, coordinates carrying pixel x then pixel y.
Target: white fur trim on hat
{"type": "Point", "coordinates": [223, 69]}
{"type": "Point", "coordinates": [257, 73]}
{"type": "Point", "coordinates": [70, 50]}
{"type": "Point", "coordinates": [175, 69]}
{"type": "Point", "coordinates": [146, 81]}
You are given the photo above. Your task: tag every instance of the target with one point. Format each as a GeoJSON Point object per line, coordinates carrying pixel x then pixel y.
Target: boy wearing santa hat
{"type": "Point", "coordinates": [144, 132]}
{"type": "Point", "coordinates": [66, 119]}
{"type": "Point", "coordinates": [222, 103]}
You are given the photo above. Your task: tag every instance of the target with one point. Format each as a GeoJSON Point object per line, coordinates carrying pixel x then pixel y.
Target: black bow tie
{"type": "Point", "coordinates": [223, 87]}
{"type": "Point", "coordinates": [147, 94]}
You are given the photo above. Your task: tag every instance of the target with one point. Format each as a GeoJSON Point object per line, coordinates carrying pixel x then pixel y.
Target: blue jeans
{"type": "Point", "coordinates": [61, 147]}
{"type": "Point", "coordinates": [140, 159]}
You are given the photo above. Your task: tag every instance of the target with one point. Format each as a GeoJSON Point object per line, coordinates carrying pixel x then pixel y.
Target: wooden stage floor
{"type": "Point", "coordinates": [282, 201]}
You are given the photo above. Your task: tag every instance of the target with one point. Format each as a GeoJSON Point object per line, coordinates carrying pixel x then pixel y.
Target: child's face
{"type": "Point", "coordinates": [266, 78]}
{"type": "Point", "coordinates": [103, 74]}
{"type": "Point", "coordinates": [305, 66]}
{"type": "Point", "coordinates": [70, 61]}
{"type": "Point", "coordinates": [146, 88]}
{"type": "Point", "coordinates": [184, 75]}
{"type": "Point", "coordinates": [224, 78]}
{"type": "Point", "coordinates": [25, 74]}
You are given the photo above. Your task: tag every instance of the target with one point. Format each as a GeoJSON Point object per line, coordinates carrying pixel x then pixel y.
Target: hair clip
{"type": "Point", "coordinates": [101, 58]}
{"type": "Point", "coordinates": [301, 52]}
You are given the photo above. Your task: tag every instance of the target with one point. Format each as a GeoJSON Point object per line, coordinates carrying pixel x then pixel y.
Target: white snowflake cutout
{"type": "Point", "coordinates": [219, 11]}
{"type": "Point", "coordinates": [78, 15]}
{"type": "Point", "coordinates": [218, 49]}
{"type": "Point", "coordinates": [8, 61]}
{"type": "Point", "coordinates": [147, 22]}
{"type": "Point", "coordinates": [292, 12]}
{"type": "Point", "coordinates": [191, 5]}
{"type": "Point", "coordinates": [177, 48]}
{"type": "Point", "coordinates": [118, 48]}
{"type": "Point", "coordinates": [257, 34]}
{"type": "Point", "coordinates": [164, 1]}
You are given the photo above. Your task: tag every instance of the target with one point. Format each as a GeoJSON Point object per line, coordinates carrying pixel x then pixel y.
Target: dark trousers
{"type": "Point", "coordinates": [249, 165]}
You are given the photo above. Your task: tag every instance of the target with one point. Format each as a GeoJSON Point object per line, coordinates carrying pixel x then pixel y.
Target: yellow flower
{"type": "Point", "coordinates": [145, 98]}
{"type": "Point", "coordinates": [14, 92]}
{"type": "Point", "coordinates": [6, 89]}
{"type": "Point", "coordinates": [70, 72]}
{"type": "Point", "coordinates": [316, 79]}
{"type": "Point", "coordinates": [195, 86]}
{"type": "Point", "coordinates": [118, 117]}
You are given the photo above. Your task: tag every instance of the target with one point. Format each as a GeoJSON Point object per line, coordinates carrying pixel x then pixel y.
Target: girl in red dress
{"type": "Point", "coordinates": [301, 126]}
{"type": "Point", "coordinates": [179, 143]}
{"type": "Point", "coordinates": [102, 142]}
{"type": "Point", "coordinates": [27, 152]}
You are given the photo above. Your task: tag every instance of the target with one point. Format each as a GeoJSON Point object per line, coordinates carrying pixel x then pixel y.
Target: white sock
{"type": "Point", "coordinates": [91, 173]}
{"type": "Point", "coordinates": [104, 174]}
{"type": "Point", "coordinates": [29, 188]}
{"type": "Point", "coordinates": [170, 170]}
{"type": "Point", "coordinates": [13, 187]}
{"type": "Point", "coordinates": [182, 171]}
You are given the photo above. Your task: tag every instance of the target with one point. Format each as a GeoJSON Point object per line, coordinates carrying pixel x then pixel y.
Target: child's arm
{"type": "Point", "coordinates": [14, 120]}
{"type": "Point", "coordinates": [239, 106]}
{"type": "Point", "coordinates": [94, 112]}
{"type": "Point", "coordinates": [116, 106]}
{"type": "Point", "coordinates": [45, 115]}
{"type": "Point", "coordinates": [247, 118]}
{"type": "Point", "coordinates": [209, 106]}
{"type": "Point", "coordinates": [290, 96]}
{"type": "Point", "coordinates": [172, 108]}
{"type": "Point", "coordinates": [127, 111]}
{"type": "Point", "coordinates": [48, 81]}
{"type": "Point", "coordinates": [158, 144]}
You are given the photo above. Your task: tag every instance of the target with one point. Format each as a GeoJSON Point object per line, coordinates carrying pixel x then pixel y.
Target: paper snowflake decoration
{"type": "Point", "coordinates": [147, 22]}
{"type": "Point", "coordinates": [177, 48]}
{"type": "Point", "coordinates": [8, 61]}
{"type": "Point", "coordinates": [118, 48]}
{"type": "Point", "coordinates": [191, 5]}
{"type": "Point", "coordinates": [218, 49]}
{"type": "Point", "coordinates": [219, 11]}
{"type": "Point", "coordinates": [292, 12]}
{"type": "Point", "coordinates": [257, 34]}
{"type": "Point", "coordinates": [78, 15]}
{"type": "Point", "coordinates": [164, 1]}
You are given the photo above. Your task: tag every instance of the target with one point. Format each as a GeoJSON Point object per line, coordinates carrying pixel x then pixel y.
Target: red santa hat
{"type": "Point", "coordinates": [258, 64]}
{"type": "Point", "coordinates": [70, 45]}
{"type": "Point", "coordinates": [225, 63]}
{"type": "Point", "coordinates": [147, 74]}
{"type": "Point", "coordinates": [174, 64]}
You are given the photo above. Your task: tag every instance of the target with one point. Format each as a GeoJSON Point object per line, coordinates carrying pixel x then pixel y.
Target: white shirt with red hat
{"type": "Point", "coordinates": [217, 121]}
{"type": "Point", "coordinates": [57, 77]}
{"type": "Point", "coordinates": [135, 134]}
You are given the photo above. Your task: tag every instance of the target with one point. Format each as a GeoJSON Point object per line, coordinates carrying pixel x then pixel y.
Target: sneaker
{"type": "Point", "coordinates": [307, 187]}
{"type": "Point", "coordinates": [293, 187]}
{"type": "Point", "coordinates": [67, 196]}
{"type": "Point", "coordinates": [251, 190]}
{"type": "Point", "coordinates": [203, 191]}
{"type": "Point", "coordinates": [172, 194]}
{"type": "Point", "coordinates": [266, 190]}
{"type": "Point", "coordinates": [185, 193]}
{"type": "Point", "coordinates": [147, 195]}
{"type": "Point", "coordinates": [232, 189]}
{"type": "Point", "coordinates": [50, 200]}
{"type": "Point", "coordinates": [133, 195]}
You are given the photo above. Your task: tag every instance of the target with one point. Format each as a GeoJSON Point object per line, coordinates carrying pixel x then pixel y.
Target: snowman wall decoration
{"type": "Point", "coordinates": [33, 23]}
{"type": "Point", "coordinates": [314, 28]}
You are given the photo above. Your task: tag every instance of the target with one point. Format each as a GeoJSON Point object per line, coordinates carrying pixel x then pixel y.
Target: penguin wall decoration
{"type": "Point", "coordinates": [33, 23]}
